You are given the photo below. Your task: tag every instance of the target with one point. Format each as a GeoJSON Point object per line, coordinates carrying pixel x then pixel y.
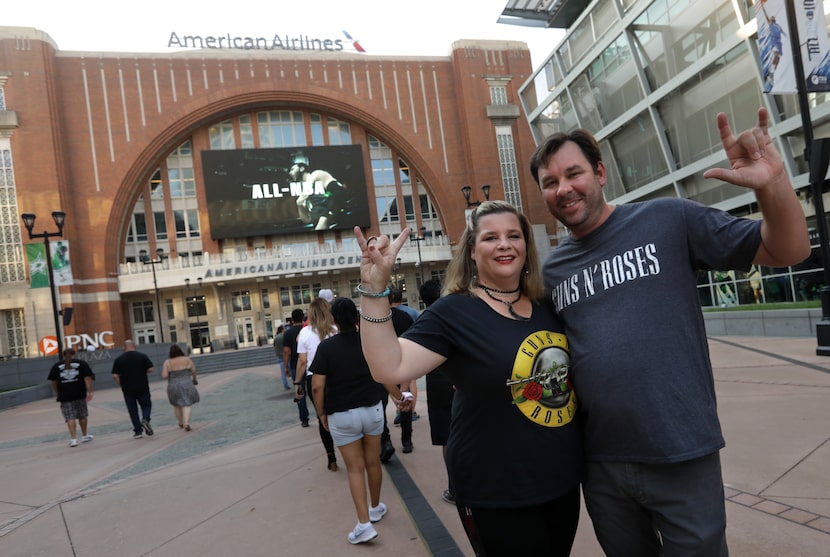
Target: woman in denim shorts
{"type": "Point", "coordinates": [350, 400]}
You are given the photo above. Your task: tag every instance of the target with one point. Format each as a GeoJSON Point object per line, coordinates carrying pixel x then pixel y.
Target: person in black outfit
{"type": "Point", "coordinates": [130, 370]}
{"type": "Point", "coordinates": [72, 383]}
{"type": "Point", "coordinates": [439, 392]}
{"type": "Point", "coordinates": [401, 321]}
{"type": "Point", "coordinates": [349, 406]}
{"type": "Point", "coordinates": [290, 356]}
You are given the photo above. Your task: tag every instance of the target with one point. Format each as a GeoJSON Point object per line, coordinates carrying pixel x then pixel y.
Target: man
{"type": "Point", "coordinates": [401, 321]}
{"type": "Point", "coordinates": [278, 339]}
{"type": "Point", "coordinates": [130, 371]}
{"type": "Point", "coordinates": [624, 283]}
{"type": "Point", "coordinates": [290, 356]}
{"type": "Point", "coordinates": [396, 301]}
{"type": "Point", "coordinates": [323, 196]}
{"type": "Point", "coordinates": [71, 381]}
{"type": "Point", "coordinates": [440, 393]}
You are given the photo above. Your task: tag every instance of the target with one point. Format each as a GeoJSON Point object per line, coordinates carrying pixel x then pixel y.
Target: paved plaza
{"type": "Point", "coordinates": [248, 481]}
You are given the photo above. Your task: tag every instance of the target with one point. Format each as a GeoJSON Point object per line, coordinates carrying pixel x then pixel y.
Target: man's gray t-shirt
{"type": "Point", "coordinates": [628, 297]}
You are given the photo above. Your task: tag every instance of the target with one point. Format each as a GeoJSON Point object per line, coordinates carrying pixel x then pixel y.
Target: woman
{"type": "Point", "coordinates": [349, 406]}
{"type": "Point", "coordinates": [71, 381]}
{"type": "Point", "coordinates": [320, 326]}
{"type": "Point", "coordinates": [514, 453]}
{"type": "Point", "coordinates": [180, 372]}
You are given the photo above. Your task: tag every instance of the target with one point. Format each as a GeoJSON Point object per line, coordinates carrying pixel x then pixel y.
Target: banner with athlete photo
{"type": "Point", "coordinates": [61, 268]}
{"type": "Point", "coordinates": [775, 47]}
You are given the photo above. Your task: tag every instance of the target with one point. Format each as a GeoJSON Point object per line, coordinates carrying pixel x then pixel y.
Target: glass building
{"type": "Point", "coordinates": [648, 77]}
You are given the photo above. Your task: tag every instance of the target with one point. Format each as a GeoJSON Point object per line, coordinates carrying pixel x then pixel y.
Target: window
{"type": "Point", "coordinates": [143, 312]}
{"type": "Point", "coordinates": [221, 136]}
{"type": "Point", "coordinates": [241, 301]}
{"type": "Point", "coordinates": [246, 132]}
{"type": "Point", "coordinates": [187, 223]}
{"type": "Point", "coordinates": [316, 129]}
{"type": "Point", "coordinates": [266, 300]}
{"type": "Point", "coordinates": [281, 128]}
{"type": "Point", "coordinates": [339, 132]}
{"type": "Point", "coordinates": [156, 185]}
{"type": "Point", "coordinates": [15, 322]}
{"type": "Point", "coordinates": [498, 94]}
{"type": "Point", "coordinates": [140, 227]}
{"type": "Point", "coordinates": [509, 169]}
{"type": "Point", "coordinates": [161, 225]}
{"type": "Point", "coordinates": [12, 268]}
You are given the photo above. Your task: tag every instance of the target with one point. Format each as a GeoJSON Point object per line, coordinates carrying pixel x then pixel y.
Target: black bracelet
{"type": "Point", "coordinates": [375, 319]}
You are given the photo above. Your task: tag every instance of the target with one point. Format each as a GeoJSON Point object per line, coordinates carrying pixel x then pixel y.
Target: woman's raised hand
{"type": "Point", "coordinates": [378, 257]}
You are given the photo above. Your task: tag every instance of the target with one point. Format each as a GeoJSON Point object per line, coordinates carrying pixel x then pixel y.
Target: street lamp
{"type": "Point", "coordinates": [420, 238]}
{"type": "Point", "coordinates": [29, 222]}
{"type": "Point", "coordinates": [155, 262]}
{"type": "Point", "coordinates": [467, 190]}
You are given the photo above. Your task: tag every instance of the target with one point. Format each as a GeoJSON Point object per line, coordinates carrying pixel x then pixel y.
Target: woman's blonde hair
{"type": "Point", "coordinates": [320, 319]}
{"type": "Point", "coordinates": [462, 272]}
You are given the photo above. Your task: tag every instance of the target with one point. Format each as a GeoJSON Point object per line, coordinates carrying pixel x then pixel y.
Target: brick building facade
{"type": "Point", "coordinates": [115, 141]}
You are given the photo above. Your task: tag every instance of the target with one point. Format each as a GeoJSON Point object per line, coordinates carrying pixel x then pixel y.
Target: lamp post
{"type": "Point", "coordinates": [153, 263]}
{"type": "Point", "coordinates": [29, 222]}
{"type": "Point", "coordinates": [420, 238]}
{"type": "Point", "coordinates": [467, 190]}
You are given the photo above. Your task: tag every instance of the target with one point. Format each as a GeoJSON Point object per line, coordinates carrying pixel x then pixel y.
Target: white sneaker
{"type": "Point", "coordinates": [87, 438]}
{"type": "Point", "coordinates": [362, 533]}
{"type": "Point", "coordinates": [376, 513]}
{"type": "Point", "coordinates": [73, 443]}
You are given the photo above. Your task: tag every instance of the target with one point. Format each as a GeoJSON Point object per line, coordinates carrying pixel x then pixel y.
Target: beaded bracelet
{"type": "Point", "coordinates": [376, 319]}
{"type": "Point", "coordinates": [363, 292]}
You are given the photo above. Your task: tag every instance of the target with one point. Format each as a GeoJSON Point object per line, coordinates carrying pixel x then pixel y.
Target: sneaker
{"type": "Point", "coordinates": [73, 443]}
{"type": "Point", "coordinates": [415, 416]}
{"type": "Point", "coordinates": [448, 496]}
{"type": "Point", "coordinates": [86, 438]}
{"type": "Point", "coordinates": [362, 533]}
{"type": "Point", "coordinates": [138, 436]}
{"type": "Point", "coordinates": [386, 452]}
{"type": "Point", "coordinates": [376, 513]}
{"type": "Point", "coordinates": [146, 425]}
{"type": "Point", "coordinates": [407, 447]}
{"type": "Point", "coordinates": [305, 423]}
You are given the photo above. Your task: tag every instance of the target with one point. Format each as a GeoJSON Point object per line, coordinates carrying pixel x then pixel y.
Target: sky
{"type": "Point", "coordinates": [382, 27]}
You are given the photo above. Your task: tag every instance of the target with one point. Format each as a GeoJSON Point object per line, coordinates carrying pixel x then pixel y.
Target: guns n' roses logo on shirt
{"type": "Point", "coordinates": [540, 384]}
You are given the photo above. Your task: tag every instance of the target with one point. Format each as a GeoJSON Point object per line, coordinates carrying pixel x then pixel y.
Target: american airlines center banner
{"type": "Point", "coordinates": [253, 192]}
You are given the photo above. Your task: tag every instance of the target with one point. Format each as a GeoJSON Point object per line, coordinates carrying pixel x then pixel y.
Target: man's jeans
{"type": "Point", "coordinates": [285, 383]}
{"type": "Point", "coordinates": [133, 401]}
{"type": "Point", "coordinates": [302, 405]}
{"type": "Point", "coordinates": [658, 509]}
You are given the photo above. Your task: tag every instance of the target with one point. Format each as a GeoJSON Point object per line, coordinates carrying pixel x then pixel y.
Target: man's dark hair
{"type": "Point", "coordinates": [297, 316]}
{"type": "Point", "coordinates": [430, 292]}
{"type": "Point", "coordinates": [344, 313]}
{"type": "Point", "coordinates": [395, 296]}
{"type": "Point", "coordinates": [584, 140]}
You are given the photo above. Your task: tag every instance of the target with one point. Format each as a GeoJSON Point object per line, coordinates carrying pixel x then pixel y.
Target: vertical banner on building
{"type": "Point", "coordinates": [61, 269]}
{"type": "Point", "coordinates": [815, 52]}
{"type": "Point", "coordinates": [774, 44]}
{"type": "Point", "coordinates": [38, 270]}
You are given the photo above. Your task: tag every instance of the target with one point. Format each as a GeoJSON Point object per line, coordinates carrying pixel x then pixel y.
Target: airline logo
{"type": "Point", "coordinates": [355, 44]}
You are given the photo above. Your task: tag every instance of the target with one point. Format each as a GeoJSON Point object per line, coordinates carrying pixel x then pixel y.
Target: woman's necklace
{"type": "Point", "coordinates": [508, 303]}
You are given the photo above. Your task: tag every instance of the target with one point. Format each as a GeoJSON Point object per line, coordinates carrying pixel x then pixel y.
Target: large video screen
{"type": "Point", "coordinates": [261, 192]}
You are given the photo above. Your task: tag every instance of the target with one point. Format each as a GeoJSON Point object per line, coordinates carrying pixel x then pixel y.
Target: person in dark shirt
{"type": "Point", "coordinates": [72, 383]}
{"type": "Point", "coordinates": [290, 356]}
{"type": "Point", "coordinates": [349, 405]}
{"type": "Point", "coordinates": [130, 370]}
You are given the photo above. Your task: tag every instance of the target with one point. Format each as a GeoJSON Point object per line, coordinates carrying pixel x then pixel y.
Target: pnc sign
{"type": "Point", "coordinates": [48, 346]}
